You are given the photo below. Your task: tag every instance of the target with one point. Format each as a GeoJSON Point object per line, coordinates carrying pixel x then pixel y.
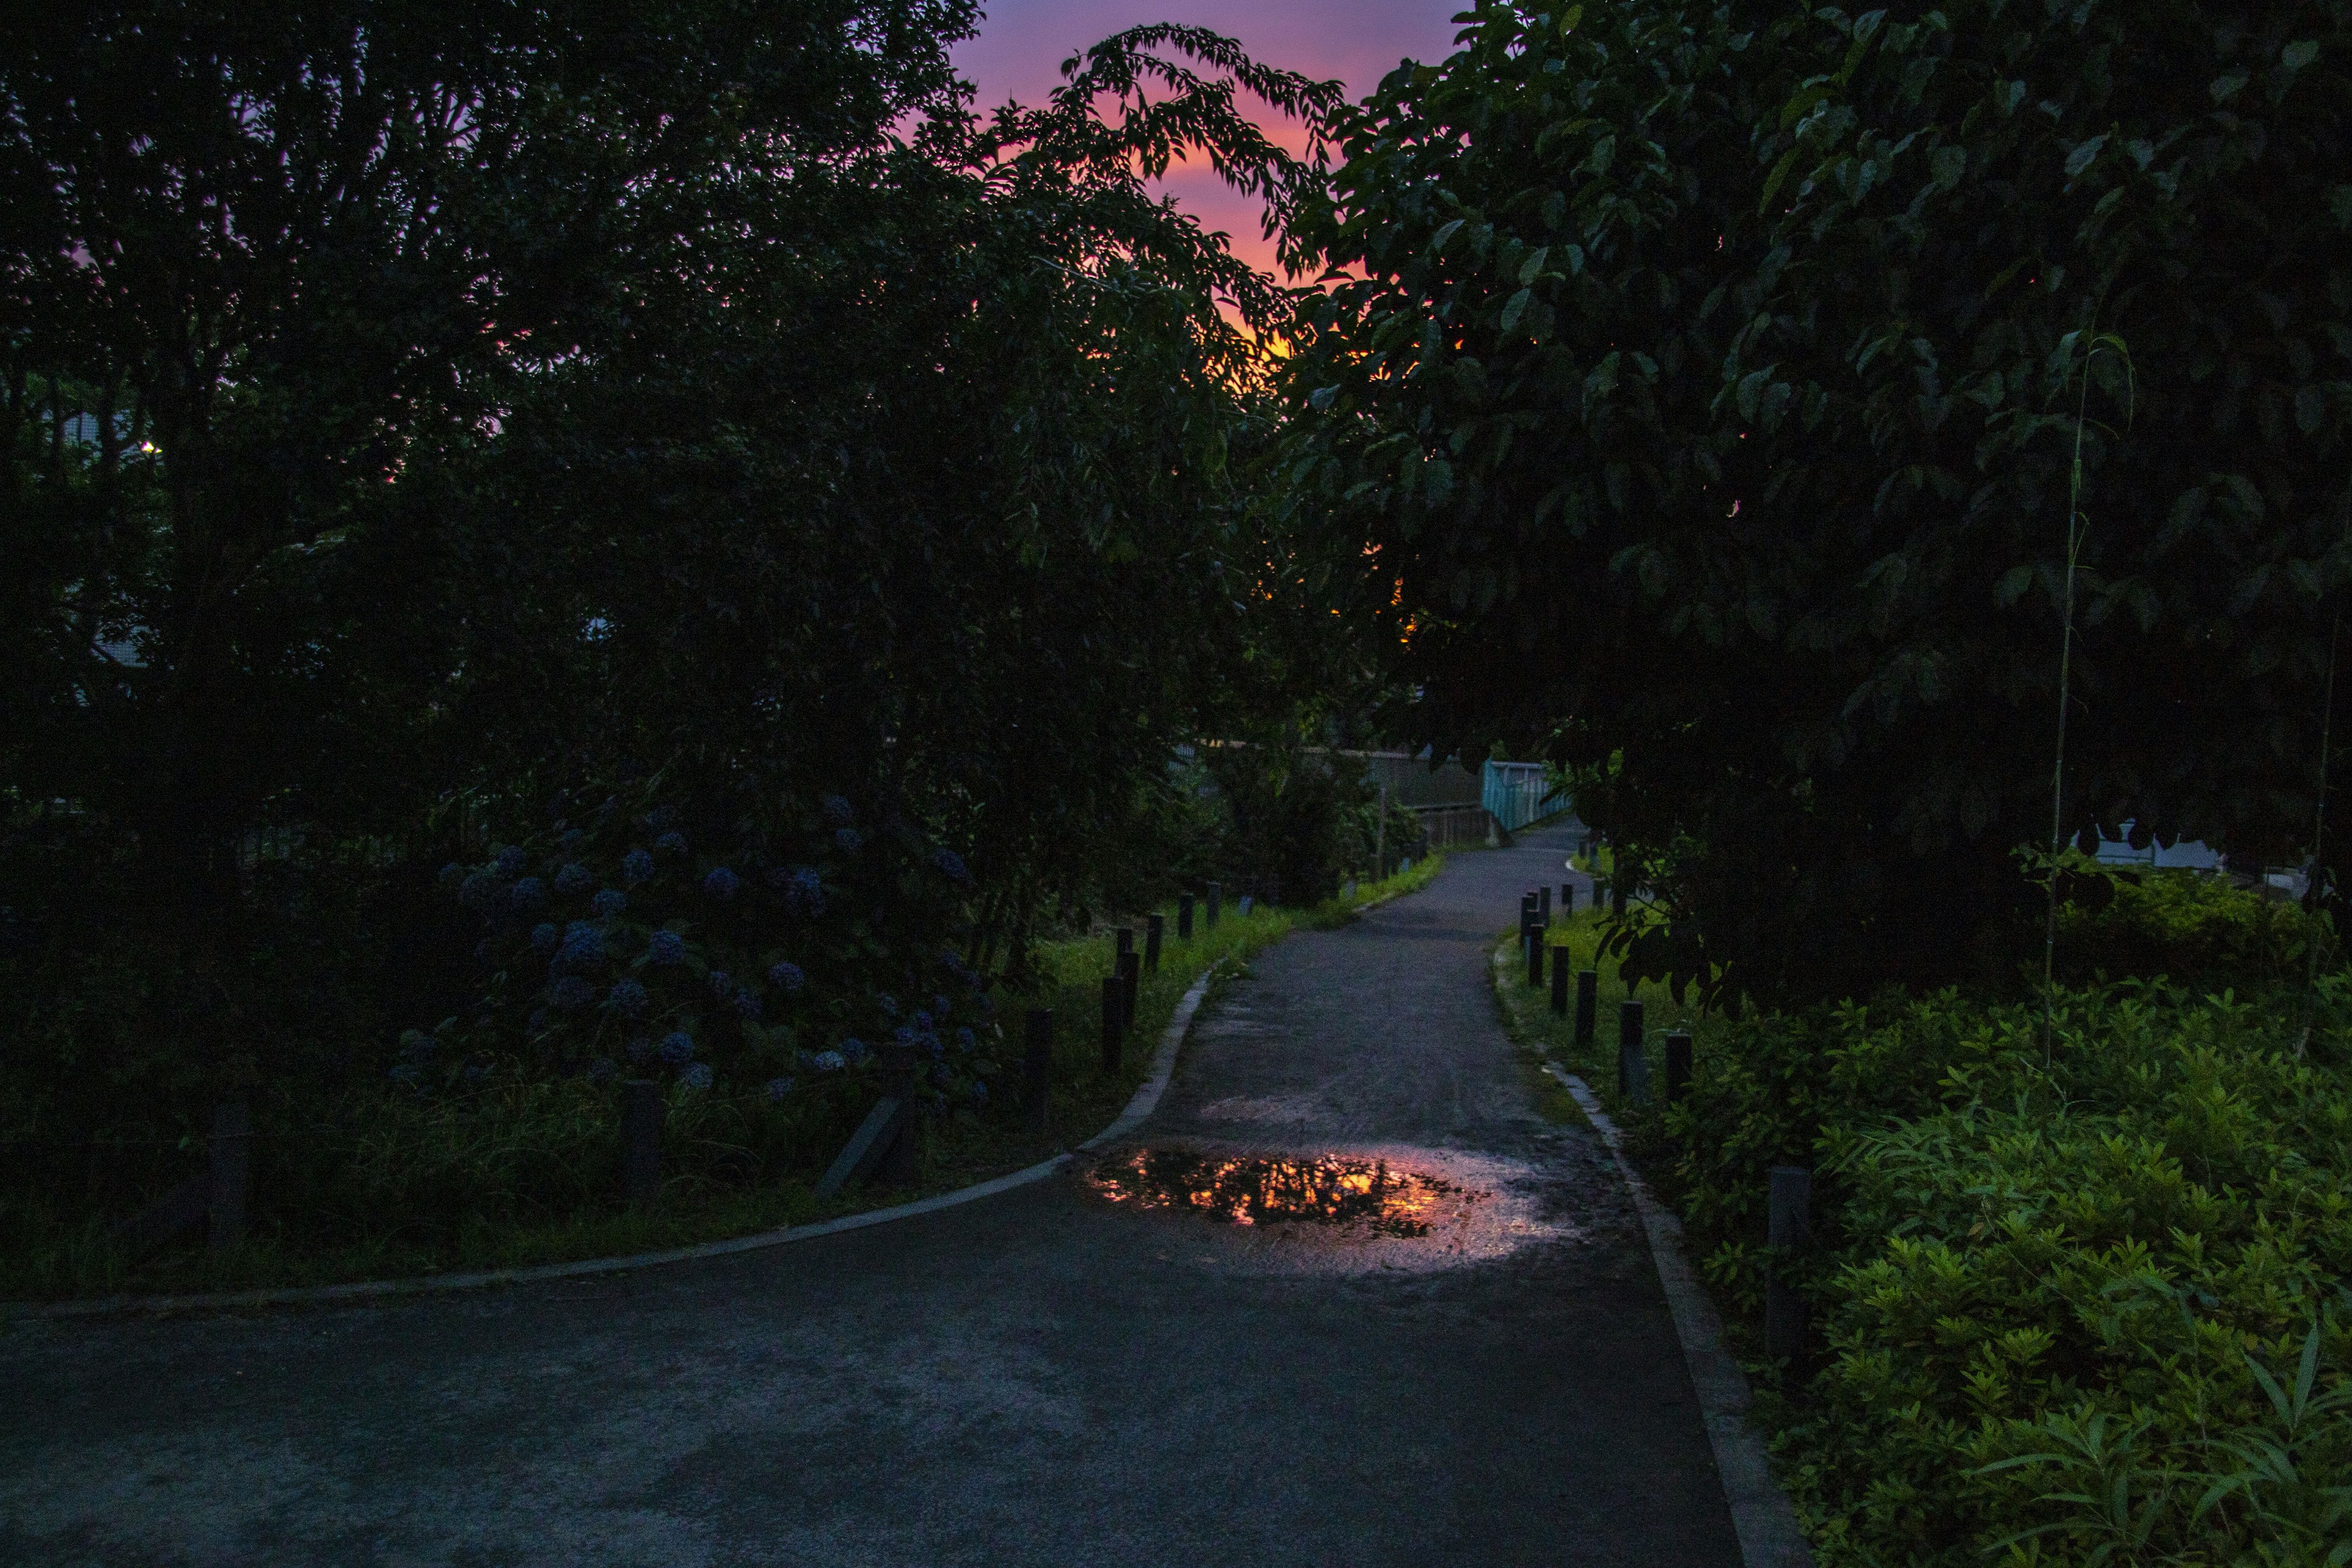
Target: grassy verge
{"type": "Point", "coordinates": [518, 1175]}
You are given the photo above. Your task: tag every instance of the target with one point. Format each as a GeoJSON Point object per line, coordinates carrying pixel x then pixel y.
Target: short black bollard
{"type": "Point", "coordinates": [232, 1175]}
{"type": "Point", "coordinates": [1566, 900]}
{"type": "Point", "coordinates": [1617, 898]}
{"type": "Point", "coordinates": [1534, 946]}
{"type": "Point", "coordinates": [1588, 1007]}
{"type": "Point", "coordinates": [1036, 1060]}
{"type": "Point", "coordinates": [1114, 1020]}
{"type": "Point", "coordinates": [641, 1125]}
{"type": "Point", "coordinates": [1155, 931]}
{"type": "Point", "coordinates": [1678, 1065]}
{"type": "Point", "coordinates": [1184, 917]}
{"type": "Point", "coordinates": [1559, 980]}
{"type": "Point", "coordinates": [1789, 1230]}
{"type": "Point", "coordinates": [1130, 980]}
{"type": "Point", "coordinates": [1632, 1067]}
{"type": "Point", "coordinates": [1126, 935]}
{"type": "Point", "coordinates": [1543, 909]}
{"type": "Point", "coordinates": [1216, 897]}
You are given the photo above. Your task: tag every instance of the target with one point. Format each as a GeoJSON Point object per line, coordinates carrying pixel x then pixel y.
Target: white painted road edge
{"type": "Point", "coordinates": [1766, 1525]}
{"type": "Point", "coordinates": [1147, 1099]}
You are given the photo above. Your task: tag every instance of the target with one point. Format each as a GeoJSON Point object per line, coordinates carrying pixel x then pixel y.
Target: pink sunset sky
{"type": "Point", "coordinates": [1022, 43]}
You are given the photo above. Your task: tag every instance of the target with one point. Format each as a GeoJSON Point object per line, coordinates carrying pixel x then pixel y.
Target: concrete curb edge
{"type": "Point", "coordinates": [1760, 1515]}
{"type": "Point", "coordinates": [1146, 1099]}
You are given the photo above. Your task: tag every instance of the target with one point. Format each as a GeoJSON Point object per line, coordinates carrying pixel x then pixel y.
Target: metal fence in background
{"type": "Point", "coordinates": [1521, 792]}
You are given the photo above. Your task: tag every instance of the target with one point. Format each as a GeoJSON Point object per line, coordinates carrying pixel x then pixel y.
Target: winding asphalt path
{"type": "Point", "coordinates": [1044, 1377]}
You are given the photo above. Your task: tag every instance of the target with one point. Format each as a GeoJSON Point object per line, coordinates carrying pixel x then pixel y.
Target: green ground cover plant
{"type": "Point", "coordinates": [522, 1169]}
{"type": "Point", "coordinates": [2075, 1298]}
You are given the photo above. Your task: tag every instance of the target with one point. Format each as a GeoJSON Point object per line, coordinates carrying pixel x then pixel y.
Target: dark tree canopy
{"type": "Point", "coordinates": [1707, 379]}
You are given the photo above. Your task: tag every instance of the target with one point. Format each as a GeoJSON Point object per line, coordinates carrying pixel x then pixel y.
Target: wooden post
{"type": "Point", "coordinates": [901, 1161]}
{"type": "Point", "coordinates": [1560, 981]}
{"type": "Point", "coordinates": [1543, 913]}
{"type": "Point", "coordinates": [1114, 1020]}
{"type": "Point", "coordinates": [1678, 1065]}
{"type": "Point", "coordinates": [1789, 1230]}
{"type": "Point", "coordinates": [641, 1122]}
{"type": "Point", "coordinates": [1588, 1007]}
{"type": "Point", "coordinates": [1533, 940]}
{"type": "Point", "coordinates": [1130, 980]}
{"type": "Point", "coordinates": [232, 1175]}
{"type": "Point", "coordinates": [1126, 935]}
{"type": "Point", "coordinates": [1632, 1067]}
{"type": "Point", "coordinates": [1184, 917]}
{"type": "Point", "coordinates": [1566, 900]}
{"type": "Point", "coordinates": [1155, 930]}
{"type": "Point", "coordinates": [1037, 1061]}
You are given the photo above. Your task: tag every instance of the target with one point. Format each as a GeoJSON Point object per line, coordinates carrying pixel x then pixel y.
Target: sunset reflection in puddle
{"type": "Point", "coordinates": [1370, 1196]}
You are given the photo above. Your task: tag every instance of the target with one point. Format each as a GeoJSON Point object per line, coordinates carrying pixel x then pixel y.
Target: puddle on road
{"type": "Point", "coordinates": [1367, 1196]}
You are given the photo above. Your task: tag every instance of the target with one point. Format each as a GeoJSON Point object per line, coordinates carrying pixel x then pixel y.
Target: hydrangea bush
{"type": "Point", "coordinates": [762, 955]}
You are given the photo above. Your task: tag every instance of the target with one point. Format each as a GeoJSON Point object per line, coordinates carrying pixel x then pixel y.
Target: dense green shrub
{"type": "Point", "coordinates": [2065, 1297]}
{"type": "Point", "coordinates": [2177, 923]}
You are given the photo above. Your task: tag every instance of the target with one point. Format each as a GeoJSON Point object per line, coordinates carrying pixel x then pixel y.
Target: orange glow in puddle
{"type": "Point", "coordinates": [1332, 1190]}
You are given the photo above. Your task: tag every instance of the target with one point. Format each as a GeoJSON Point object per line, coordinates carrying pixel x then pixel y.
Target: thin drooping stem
{"type": "Point", "coordinates": [2315, 892]}
{"type": "Point", "coordinates": [2066, 679]}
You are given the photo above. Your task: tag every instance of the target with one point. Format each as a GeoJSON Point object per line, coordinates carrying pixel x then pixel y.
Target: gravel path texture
{"type": "Point", "coordinates": [1347, 1300]}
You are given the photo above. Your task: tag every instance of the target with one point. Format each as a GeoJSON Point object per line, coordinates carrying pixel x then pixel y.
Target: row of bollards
{"type": "Point", "coordinates": [1789, 1214]}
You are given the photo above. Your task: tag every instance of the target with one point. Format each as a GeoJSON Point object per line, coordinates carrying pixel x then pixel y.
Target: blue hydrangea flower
{"type": "Point", "coordinates": [838, 811]}
{"type": "Point", "coordinates": [477, 888]}
{"type": "Point", "coordinates": [695, 1077]}
{"type": "Point", "coordinates": [509, 860]}
{"type": "Point", "coordinates": [848, 840]}
{"type": "Point", "coordinates": [931, 1043]}
{"type": "Point", "coordinates": [636, 866]}
{"type": "Point", "coordinates": [677, 1047]}
{"type": "Point", "coordinates": [544, 936]}
{"type": "Point", "coordinates": [527, 894]}
{"type": "Point", "coordinates": [952, 864]}
{"type": "Point", "coordinates": [786, 977]}
{"type": "Point", "coordinates": [667, 948]}
{"type": "Point", "coordinates": [571, 993]}
{"type": "Point", "coordinates": [853, 1048]}
{"type": "Point", "coordinates": [722, 884]}
{"type": "Point", "coordinates": [629, 999]}
{"type": "Point", "coordinates": [965, 1040]}
{"type": "Point", "coordinates": [922, 1020]}
{"type": "Point", "coordinates": [904, 1033]}
{"type": "Point", "coordinates": [828, 1061]}
{"type": "Point", "coordinates": [979, 1092]}
{"type": "Point", "coordinates": [609, 903]}
{"type": "Point", "coordinates": [571, 839]}
{"type": "Point", "coordinates": [580, 949]}
{"type": "Point", "coordinates": [804, 891]}
{"type": "Point", "coordinates": [572, 879]}
{"type": "Point", "coordinates": [777, 1088]}
{"type": "Point", "coordinates": [671, 843]}
{"type": "Point", "coordinates": [719, 981]}
{"type": "Point", "coordinates": [941, 1008]}
{"type": "Point", "coordinates": [747, 1003]}
{"type": "Point", "coordinates": [639, 1048]}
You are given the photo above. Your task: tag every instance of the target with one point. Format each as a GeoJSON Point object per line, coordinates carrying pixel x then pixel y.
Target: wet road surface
{"type": "Point", "coordinates": [1346, 1300]}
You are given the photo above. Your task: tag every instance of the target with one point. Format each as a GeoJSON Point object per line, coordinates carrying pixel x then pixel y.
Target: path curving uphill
{"type": "Point", "coordinates": [1345, 1299]}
